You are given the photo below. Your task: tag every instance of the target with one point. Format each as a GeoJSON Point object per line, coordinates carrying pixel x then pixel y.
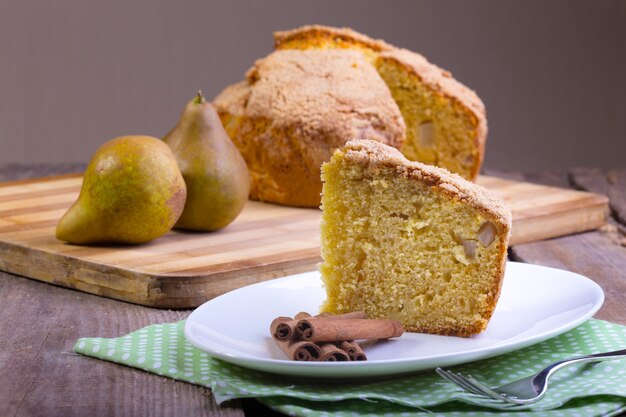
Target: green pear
{"type": "Point", "coordinates": [132, 192]}
{"type": "Point", "coordinates": [215, 172]}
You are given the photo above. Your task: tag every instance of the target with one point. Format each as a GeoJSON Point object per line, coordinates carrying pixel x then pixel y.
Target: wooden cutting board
{"type": "Point", "coordinates": [184, 269]}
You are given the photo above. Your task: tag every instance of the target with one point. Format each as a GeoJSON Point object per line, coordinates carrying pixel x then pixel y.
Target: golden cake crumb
{"type": "Point", "coordinates": [411, 242]}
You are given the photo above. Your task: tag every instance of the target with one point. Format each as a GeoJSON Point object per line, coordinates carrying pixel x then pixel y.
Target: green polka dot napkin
{"type": "Point", "coordinates": [581, 390]}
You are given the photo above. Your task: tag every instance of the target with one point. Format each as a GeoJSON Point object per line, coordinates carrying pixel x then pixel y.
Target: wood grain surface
{"type": "Point", "coordinates": [183, 269]}
{"type": "Point", "coordinates": [599, 255]}
{"type": "Point", "coordinates": [47, 379]}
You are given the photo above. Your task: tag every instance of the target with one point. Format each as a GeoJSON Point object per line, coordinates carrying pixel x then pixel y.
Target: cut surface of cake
{"type": "Point", "coordinates": [409, 241]}
{"type": "Point", "coordinates": [295, 108]}
{"type": "Point", "coordinates": [446, 122]}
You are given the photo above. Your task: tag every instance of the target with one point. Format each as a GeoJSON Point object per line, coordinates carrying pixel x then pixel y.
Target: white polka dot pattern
{"type": "Point", "coordinates": [581, 390]}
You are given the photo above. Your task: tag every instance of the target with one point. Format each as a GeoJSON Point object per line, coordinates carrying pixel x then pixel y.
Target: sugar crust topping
{"type": "Point", "coordinates": [374, 155]}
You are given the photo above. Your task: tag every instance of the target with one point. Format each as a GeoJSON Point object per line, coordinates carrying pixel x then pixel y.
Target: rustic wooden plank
{"type": "Point", "coordinates": [597, 255]}
{"type": "Point", "coordinates": [42, 237]}
{"type": "Point", "coordinates": [597, 181]}
{"type": "Point", "coordinates": [38, 231]}
{"type": "Point", "coordinates": [189, 288]}
{"type": "Point", "coordinates": [39, 325]}
{"type": "Point", "coordinates": [25, 192]}
{"type": "Point", "coordinates": [589, 179]}
{"type": "Point", "coordinates": [280, 245]}
{"type": "Point", "coordinates": [573, 220]}
{"type": "Point", "coordinates": [23, 187]}
{"type": "Point", "coordinates": [611, 184]}
{"type": "Point", "coordinates": [12, 229]}
{"type": "Point", "coordinates": [546, 203]}
{"type": "Point", "coordinates": [37, 203]}
{"type": "Point", "coordinates": [214, 253]}
{"type": "Point", "coordinates": [40, 216]}
{"type": "Point", "coordinates": [162, 250]}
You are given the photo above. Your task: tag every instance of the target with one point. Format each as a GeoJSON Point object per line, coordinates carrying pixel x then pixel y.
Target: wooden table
{"type": "Point", "coordinates": [39, 323]}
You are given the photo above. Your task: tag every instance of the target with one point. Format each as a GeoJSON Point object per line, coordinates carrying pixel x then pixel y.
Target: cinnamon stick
{"type": "Point", "coordinates": [353, 350]}
{"type": "Point", "coordinates": [283, 328]}
{"type": "Point", "coordinates": [327, 337]}
{"type": "Point", "coordinates": [332, 353]}
{"type": "Point", "coordinates": [300, 350]}
{"type": "Point", "coordinates": [329, 329]}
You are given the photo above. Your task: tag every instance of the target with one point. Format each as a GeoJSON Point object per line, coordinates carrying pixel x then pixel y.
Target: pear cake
{"type": "Point", "coordinates": [411, 242]}
{"type": "Point", "coordinates": [294, 109]}
{"type": "Point", "coordinates": [445, 121]}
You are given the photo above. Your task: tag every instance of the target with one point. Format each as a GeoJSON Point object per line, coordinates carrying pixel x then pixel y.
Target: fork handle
{"type": "Point", "coordinates": [596, 357]}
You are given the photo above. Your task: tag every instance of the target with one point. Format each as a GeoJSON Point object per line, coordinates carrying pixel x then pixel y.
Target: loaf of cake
{"type": "Point", "coordinates": [409, 241]}
{"type": "Point", "coordinates": [445, 121]}
{"type": "Point", "coordinates": [295, 108]}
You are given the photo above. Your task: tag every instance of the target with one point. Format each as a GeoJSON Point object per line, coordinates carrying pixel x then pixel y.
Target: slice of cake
{"type": "Point", "coordinates": [445, 121]}
{"type": "Point", "coordinates": [409, 241]}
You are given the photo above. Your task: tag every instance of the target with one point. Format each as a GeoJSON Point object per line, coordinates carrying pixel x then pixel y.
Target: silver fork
{"type": "Point", "coordinates": [527, 390]}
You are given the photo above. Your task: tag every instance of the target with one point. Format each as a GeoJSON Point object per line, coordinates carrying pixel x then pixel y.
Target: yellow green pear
{"type": "Point", "coordinates": [215, 172]}
{"type": "Point", "coordinates": [132, 192]}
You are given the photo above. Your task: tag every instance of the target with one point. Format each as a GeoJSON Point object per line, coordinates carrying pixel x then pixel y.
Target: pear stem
{"type": "Point", "coordinates": [199, 98]}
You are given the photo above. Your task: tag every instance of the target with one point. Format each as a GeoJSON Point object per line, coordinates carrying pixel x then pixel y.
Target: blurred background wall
{"type": "Point", "coordinates": [75, 73]}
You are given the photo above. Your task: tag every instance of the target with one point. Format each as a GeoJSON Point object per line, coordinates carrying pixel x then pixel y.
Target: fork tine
{"type": "Point", "coordinates": [450, 376]}
{"type": "Point", "coordinates": [447, 375]}
{"type": "Point", "coordinates": [488, 391]}
{"type": "Point", "coordinates": [474, 388]}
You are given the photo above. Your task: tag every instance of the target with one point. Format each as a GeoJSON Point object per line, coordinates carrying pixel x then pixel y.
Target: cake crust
{"type": "Point", "coordinates": [320, 31]}
{"type": "Point", "coordinates": [432, 75]}
{"type": "Point", "coordinates": [295, 108]}
{"type": "Point", "coordinates": [435, 78]}
{"type": "Point", "coordinates": [324, 91]}
{"type": "Point", "coordinates": [372, 155]}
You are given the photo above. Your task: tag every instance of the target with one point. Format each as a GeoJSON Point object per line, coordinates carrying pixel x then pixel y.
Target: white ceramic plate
{"type": "Point", "coordinates": [536, 303]}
